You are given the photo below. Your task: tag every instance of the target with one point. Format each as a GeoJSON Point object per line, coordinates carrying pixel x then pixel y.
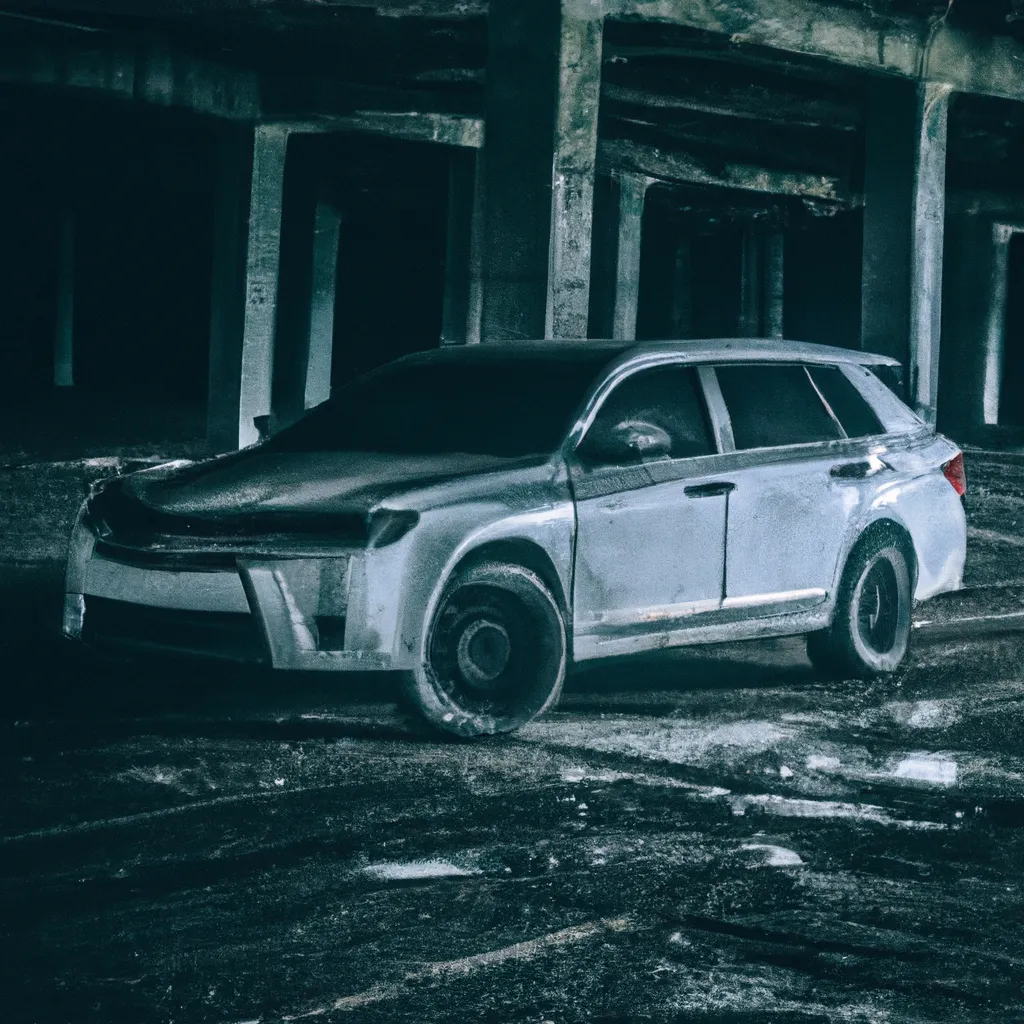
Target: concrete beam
{"type": "Point", "coordinates": [415, 126]}
{"type": "Point", "coordinates": [753, 103]}
{"type": "Point", "coordinates": [908, 48]}
{"type": "Point", "coordinates": [145, 70]}
{"type": "Point", "coordinates": [677, 166]}
{"type": "Point", "coordinates": [150, 71]}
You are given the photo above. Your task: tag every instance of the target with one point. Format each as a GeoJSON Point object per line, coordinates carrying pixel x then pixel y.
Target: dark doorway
{"type": "Point", "coordinates": [118, 199]}
{"type": "Point", "coordinates": [393, 198]}
{"type": "Point", "coordinates": [822, 271]}
{"type": "Point", "coordinates": [700, 270]}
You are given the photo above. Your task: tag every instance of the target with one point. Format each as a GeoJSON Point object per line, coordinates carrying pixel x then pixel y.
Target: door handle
{"type": "Point", "coordinates": [857, 470]}
{"type": "Point", "coordinates": [711, 490]}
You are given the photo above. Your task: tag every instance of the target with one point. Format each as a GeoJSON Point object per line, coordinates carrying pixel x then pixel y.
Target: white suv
{"type": "Point", "coordinates": [477, 517]}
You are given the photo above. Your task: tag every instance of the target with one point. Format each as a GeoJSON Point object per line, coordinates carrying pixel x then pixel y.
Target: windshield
{"type": "Point", "coordinates": [475, 402]}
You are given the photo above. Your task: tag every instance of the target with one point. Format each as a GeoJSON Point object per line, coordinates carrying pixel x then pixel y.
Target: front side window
{"type": "Point", "coordinates": [657, 413]}
{"type": "Point", "coordinates": [775, 404]}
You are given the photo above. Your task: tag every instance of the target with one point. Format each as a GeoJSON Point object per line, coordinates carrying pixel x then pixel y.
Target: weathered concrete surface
{"type": "Point", "coordinates": [697, 837]}
{"type": "Point", "coordinates": [705, 835]}
{"type": "Point", "coordinates": [678, 166]}
{"type": "Point", "coordinates": [908, 48]}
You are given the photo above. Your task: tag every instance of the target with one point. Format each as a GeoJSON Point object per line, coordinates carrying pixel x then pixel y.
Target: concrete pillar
{"type": "Point", "coordinates": [320, 344]}
{"type": "Point", "coordinates": [543, 86]}
{"type": "Point", "coordinates": [993, 305]}
{"type": "Point", "coordinates": [250, 194]}
{"type": "Point", "coordinates": [774, 266]}
{"type": "Point", "coordinates": [751, 284]}
{"type": "Point", "coordinates": [926, 245]}
{"type": "Point", "coordinates": [618, 224]}
{"type": "Point", "coordinates": [632, 189]}
{"type": "Point", "coordinates": [973, 322]}
{"type": "Point", "coordinates": [63, 341]}
{"type": "Point", "coordinates": [682, 291]}
{"type": "Point", "coordinates": [463, 294]}
{"type": "Point", "coordinates": [904, 204]}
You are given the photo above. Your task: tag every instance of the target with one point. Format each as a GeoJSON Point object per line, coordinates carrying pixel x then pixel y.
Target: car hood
{"type": "Point", "coordinates": [262, 480]}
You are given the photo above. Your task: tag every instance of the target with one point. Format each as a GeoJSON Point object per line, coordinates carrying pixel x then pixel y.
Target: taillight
{"type": "Point", "coordinates": [953, 471]}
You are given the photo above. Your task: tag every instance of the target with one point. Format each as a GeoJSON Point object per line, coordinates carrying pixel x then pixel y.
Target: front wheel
{"type": "Point", "coordinates": [496, 653]}
{"type": "Point", "coordinates": [870, 628]}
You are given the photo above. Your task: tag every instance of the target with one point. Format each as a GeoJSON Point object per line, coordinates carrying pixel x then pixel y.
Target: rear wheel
{"type": "Point", "coordinates": [495, 655]}
{"type": "Point", "coordinates": [870, 628]}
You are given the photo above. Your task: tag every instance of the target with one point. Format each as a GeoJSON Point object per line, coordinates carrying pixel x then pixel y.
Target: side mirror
{"type": "Point", "coordinates": [626, 442]}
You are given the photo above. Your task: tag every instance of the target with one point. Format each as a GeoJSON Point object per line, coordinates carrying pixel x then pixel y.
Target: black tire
{"type": "Point", "coordinates": [870, 629]}
{"type": "Point", "coordinates": [496, 653]}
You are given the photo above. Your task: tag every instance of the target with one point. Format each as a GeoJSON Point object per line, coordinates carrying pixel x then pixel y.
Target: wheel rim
{"type": "Point", "coordinates": [488, 655]}
{"type": "Point", "coordinates": [878, 607]}
{"type": "Point", "coordinates": [483, 652]}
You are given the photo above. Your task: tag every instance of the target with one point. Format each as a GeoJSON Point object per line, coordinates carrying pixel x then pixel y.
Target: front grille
{"type": "Point", "coordinates": [120, 624]}
{"type": "Point", "coordinates": [176, 561]}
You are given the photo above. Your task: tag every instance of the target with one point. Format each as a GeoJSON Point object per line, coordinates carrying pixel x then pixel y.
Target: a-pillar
{"type": "Point", "coordinates": [543, 87]}
{"type": "Point", "coordinates": [904, 214]}
{"type": "Point", "coordinates": [618, 225]}
{"type": "Point", "coordinates": [247, 249]}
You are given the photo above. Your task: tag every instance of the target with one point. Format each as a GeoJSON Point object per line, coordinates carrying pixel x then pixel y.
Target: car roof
{"type": "Point", "coordinates": [695, 351]}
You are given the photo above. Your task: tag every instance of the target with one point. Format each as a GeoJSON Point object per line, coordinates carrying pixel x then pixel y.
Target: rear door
{"type": "Point", "coordinates": [800, 479]}
{"type": "Point", "coordinates": [650, 547]}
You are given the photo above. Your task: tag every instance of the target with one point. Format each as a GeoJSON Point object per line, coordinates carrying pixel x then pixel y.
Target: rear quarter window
{"type": "Point", "coordinates": [896, 417]}
{"type": "Point", "coordinates": [847, 404]}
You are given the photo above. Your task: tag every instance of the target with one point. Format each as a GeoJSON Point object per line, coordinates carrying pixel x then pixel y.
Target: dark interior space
{"type": "Point", "coordinates": [659, 237]}
{"type": "Point", "coordinates": [131, 190]}
{"type": "Point", "coordinates": [715, 252]}
{"type": "Point", "coordinates": [821, 293]}
{"type": "Point", "coordinates": [1011, 393]}
{"type": "Point", "coordinates": [393, 200]}
{"type": "Point", "coordinates": [716, 263]}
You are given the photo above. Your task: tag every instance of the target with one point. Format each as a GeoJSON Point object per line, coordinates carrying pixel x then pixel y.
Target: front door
{"type": "Point", "coordinates": [650, 513]}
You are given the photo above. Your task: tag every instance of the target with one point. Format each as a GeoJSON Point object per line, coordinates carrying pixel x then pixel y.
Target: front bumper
{"type": "Point", "coordinates": [287, 613]}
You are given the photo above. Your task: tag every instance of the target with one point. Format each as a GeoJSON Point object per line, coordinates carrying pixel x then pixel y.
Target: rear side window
{"type": "Point", "coordinates": [847, 404]}
{"type": "Point", "coordinates": [772, 405]}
